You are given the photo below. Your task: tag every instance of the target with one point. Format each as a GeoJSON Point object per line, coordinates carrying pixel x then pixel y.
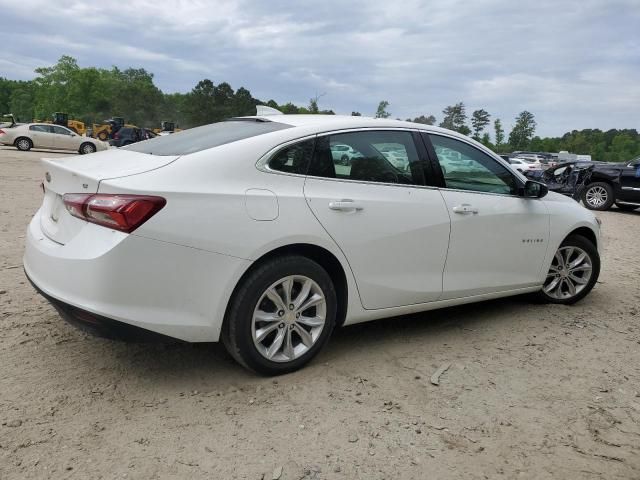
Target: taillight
{"type": "Point", "coordinates": [1, 132]}
{"type": "Point", "coordinates": [120, 212]}
{"type": "Point", "coordinates": [116, 135]}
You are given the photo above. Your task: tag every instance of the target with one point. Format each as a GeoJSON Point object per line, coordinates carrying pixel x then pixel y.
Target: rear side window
{"type": "Point", "coordinates": [368, 156]}
{"type": "Point", "coordinates": [294, 158]}
{"type": "Point", "coordinates": [40, 128]}
{"type": "Point", "coordinates": [205, 137]}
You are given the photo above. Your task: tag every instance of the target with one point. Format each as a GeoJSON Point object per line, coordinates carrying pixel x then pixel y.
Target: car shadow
{"type": "Point", "coordinates": [188, 364]}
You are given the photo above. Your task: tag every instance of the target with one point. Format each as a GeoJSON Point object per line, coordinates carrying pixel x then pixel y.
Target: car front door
{"type": "Point", "coordinates": [498, 239]}
{"type": "Point", "coordinates": [630, 182]}
{"type": "Point", "coordinates": [393, 230]}
{"type": "Point", "coordinates": [65, 139]}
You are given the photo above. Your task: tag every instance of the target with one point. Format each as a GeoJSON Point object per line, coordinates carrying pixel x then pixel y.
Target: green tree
{"type": "Point", "coordinates": [430, 120]}
{"type": "Point", "coordinates": [523, 130]}
{"type": "Point", "coordinates": [499, 133]}
{"type": "Point", "coordinates": [479, 120]}
{"type": "Point", "coordinates": [455, 118]}
{"type": "Point", "coordinates": [382, 112]}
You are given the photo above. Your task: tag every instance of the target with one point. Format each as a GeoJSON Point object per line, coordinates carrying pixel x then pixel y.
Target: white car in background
{"type": "Point", "coordinates": [523, 165]}
{"type": "Point", "coordinates": [246, 231]}
{"type": "Point", "coordinates": [48, 136]}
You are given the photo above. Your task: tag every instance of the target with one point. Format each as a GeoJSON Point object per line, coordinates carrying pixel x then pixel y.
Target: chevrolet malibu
{"type": "Point", "coordinates": [246, 231]}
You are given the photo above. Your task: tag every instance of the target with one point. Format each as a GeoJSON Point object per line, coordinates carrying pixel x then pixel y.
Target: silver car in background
{"type": "Point", "coordinates": [45, 135]}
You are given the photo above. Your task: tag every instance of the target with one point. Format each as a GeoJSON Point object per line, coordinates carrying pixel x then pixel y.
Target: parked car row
{"type": "Point", "coordinates": [49, 136]}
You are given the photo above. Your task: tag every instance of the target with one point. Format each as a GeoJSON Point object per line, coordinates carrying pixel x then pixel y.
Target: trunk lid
{"type": "Point", "coordinates": [83, 174]}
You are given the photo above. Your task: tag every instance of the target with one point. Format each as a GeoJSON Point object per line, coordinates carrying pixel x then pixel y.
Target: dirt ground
{"type": "Point", "coordinates": [533, 391]}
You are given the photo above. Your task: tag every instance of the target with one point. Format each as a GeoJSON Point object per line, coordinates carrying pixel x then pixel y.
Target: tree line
{"type": "Point", "coordinates": [94, 94]}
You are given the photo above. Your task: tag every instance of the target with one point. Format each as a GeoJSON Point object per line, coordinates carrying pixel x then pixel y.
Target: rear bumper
{"type": "Point", "coordinates": [102, 276]}
{"type": "Point", "coordinates": [98, 325]}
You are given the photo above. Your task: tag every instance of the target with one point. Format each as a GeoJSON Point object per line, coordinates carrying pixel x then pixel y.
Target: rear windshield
{"type": "Point", "coordinates": [208, 136]}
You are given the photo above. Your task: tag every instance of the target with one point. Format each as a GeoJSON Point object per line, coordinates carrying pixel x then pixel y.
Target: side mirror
{"type": "Point", "coordinates": [533, 189]}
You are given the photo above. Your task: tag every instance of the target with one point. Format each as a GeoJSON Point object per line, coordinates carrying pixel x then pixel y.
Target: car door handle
{"type": "Point", "coordinates": [464, 209]}
{"type": "Point", "coordinates": [345, 205]}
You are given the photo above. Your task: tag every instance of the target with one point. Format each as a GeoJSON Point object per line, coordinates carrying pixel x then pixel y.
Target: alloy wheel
{"type": "Point", "coordinates": [88, 148]}
{"type": "Point", "coordinates": [24, 144]}
{"type": "Point", "coordinates": [289, 318]}
{"type": "Point", "coordinates": [569, 273]}
{"type": "Point", "coordinates": [597, 196]}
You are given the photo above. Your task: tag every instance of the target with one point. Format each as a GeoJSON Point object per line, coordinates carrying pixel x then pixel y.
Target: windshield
{"type": "Point", "coordinates": [205, 137]}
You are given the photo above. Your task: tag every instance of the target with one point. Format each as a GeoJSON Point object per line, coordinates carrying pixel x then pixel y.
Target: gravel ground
{"type": "Point", "coordinates": [533, 391]}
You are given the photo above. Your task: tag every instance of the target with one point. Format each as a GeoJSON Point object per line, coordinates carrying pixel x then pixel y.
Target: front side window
{"type": "Point", "coordinates": [61, 130]}
{"type": "Point", "coordinates": [467, 168]}
{"type": "Point", "coordinates": [370, 156]}
{"type": "Point", "coordinates": [294, 158]}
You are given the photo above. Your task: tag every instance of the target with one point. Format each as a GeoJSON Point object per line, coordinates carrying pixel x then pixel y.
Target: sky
{"type": "Point", "coordinates": [573, 64]}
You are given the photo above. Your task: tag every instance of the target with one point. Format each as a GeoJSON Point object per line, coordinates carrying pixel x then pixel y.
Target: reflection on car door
{"type": "Point", "coordinates": [393, 230]}
{"type": "Point", "coordinates": [498, 239]}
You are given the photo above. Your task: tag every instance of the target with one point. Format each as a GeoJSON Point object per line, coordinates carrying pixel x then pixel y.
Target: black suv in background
{"type": "Point", "coordinates": [598, 184]}
{"type": "Point", "coordinates": [129, 135]}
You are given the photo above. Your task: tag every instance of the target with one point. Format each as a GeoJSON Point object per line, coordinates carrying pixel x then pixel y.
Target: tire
{"type": "Point", "coordinates": [556, 287]}
{"type": "Point", "coordinates": [598, 196]}
{"type": "Point", "coordinates": [86, 148]}
{"type": "Point", "coordinates": [23, 144]}
{"type": "Point", "coordinates": [104, 136]}
{"type": "Point", "coordinates": [253, 314]}
{"type": "Point", "coordinates": [627, 208]}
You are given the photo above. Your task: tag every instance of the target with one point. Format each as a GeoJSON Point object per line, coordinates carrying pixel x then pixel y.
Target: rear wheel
{"type": "Point", "coordinates": [87, 148]}
{"type": "Point", "coordinates": [103, 136]}
{"type": "Point", "coordinates": [573, 272]}
{"type": "Point", "coordinates": [598, 196]}
{"type": "Point", "coordinates": [24, 144]}
{"type": "Point", "coordinates": [627, 208]}
{"type": "Point", "coordinates": [281, 315]}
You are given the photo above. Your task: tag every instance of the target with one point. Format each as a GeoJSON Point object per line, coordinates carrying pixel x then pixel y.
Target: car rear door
{"type": "Point", "coordinates": [498, 239]}
{"type": "Point", "coordinates": [393, 230]}
{"type": "Point", "coordinates": [42, 136]}
{"type": "Point", "coordinates": [630, 182]}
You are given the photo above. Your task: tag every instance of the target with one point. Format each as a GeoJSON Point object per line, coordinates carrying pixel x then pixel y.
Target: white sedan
{"type": "Point", "coordinates": [245, 231]}
{"type": "Point", "coordinates": [44, 135]}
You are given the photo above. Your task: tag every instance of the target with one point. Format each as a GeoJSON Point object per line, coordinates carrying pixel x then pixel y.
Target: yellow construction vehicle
{"type": "Point", "coordinates": [104, 131]}
{"type": "Point", "coordinates": [166, 127]}
{"type": "Point", "coordinates": [62, 119]}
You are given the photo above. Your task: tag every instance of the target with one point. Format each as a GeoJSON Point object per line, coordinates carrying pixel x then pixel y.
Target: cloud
{"type": "Point", "coordinates": [574, 64]}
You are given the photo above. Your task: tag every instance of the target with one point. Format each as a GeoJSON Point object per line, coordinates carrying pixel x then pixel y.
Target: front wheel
{"type": "Point", "coordinates": [87, 148]}
{"type": "Point", "coordinates": [281, 315]}
{"type": "Point", "coordinates": [573, 272]}
{"type": "Point", "coordinates": [598, 196]}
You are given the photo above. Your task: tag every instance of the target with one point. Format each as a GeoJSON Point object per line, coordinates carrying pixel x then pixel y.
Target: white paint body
{"type": "Point", "coordinates": [405, 251]}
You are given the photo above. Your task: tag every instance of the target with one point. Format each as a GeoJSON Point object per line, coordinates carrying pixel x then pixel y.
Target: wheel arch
{"type": "Point", "coordinates": [585, 232]}
{"type": "Point", "coordinates": [318, 254]}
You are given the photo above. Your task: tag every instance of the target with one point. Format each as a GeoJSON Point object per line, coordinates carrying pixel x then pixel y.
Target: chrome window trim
{"type": "Point", "coordinates": [263, 162]}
